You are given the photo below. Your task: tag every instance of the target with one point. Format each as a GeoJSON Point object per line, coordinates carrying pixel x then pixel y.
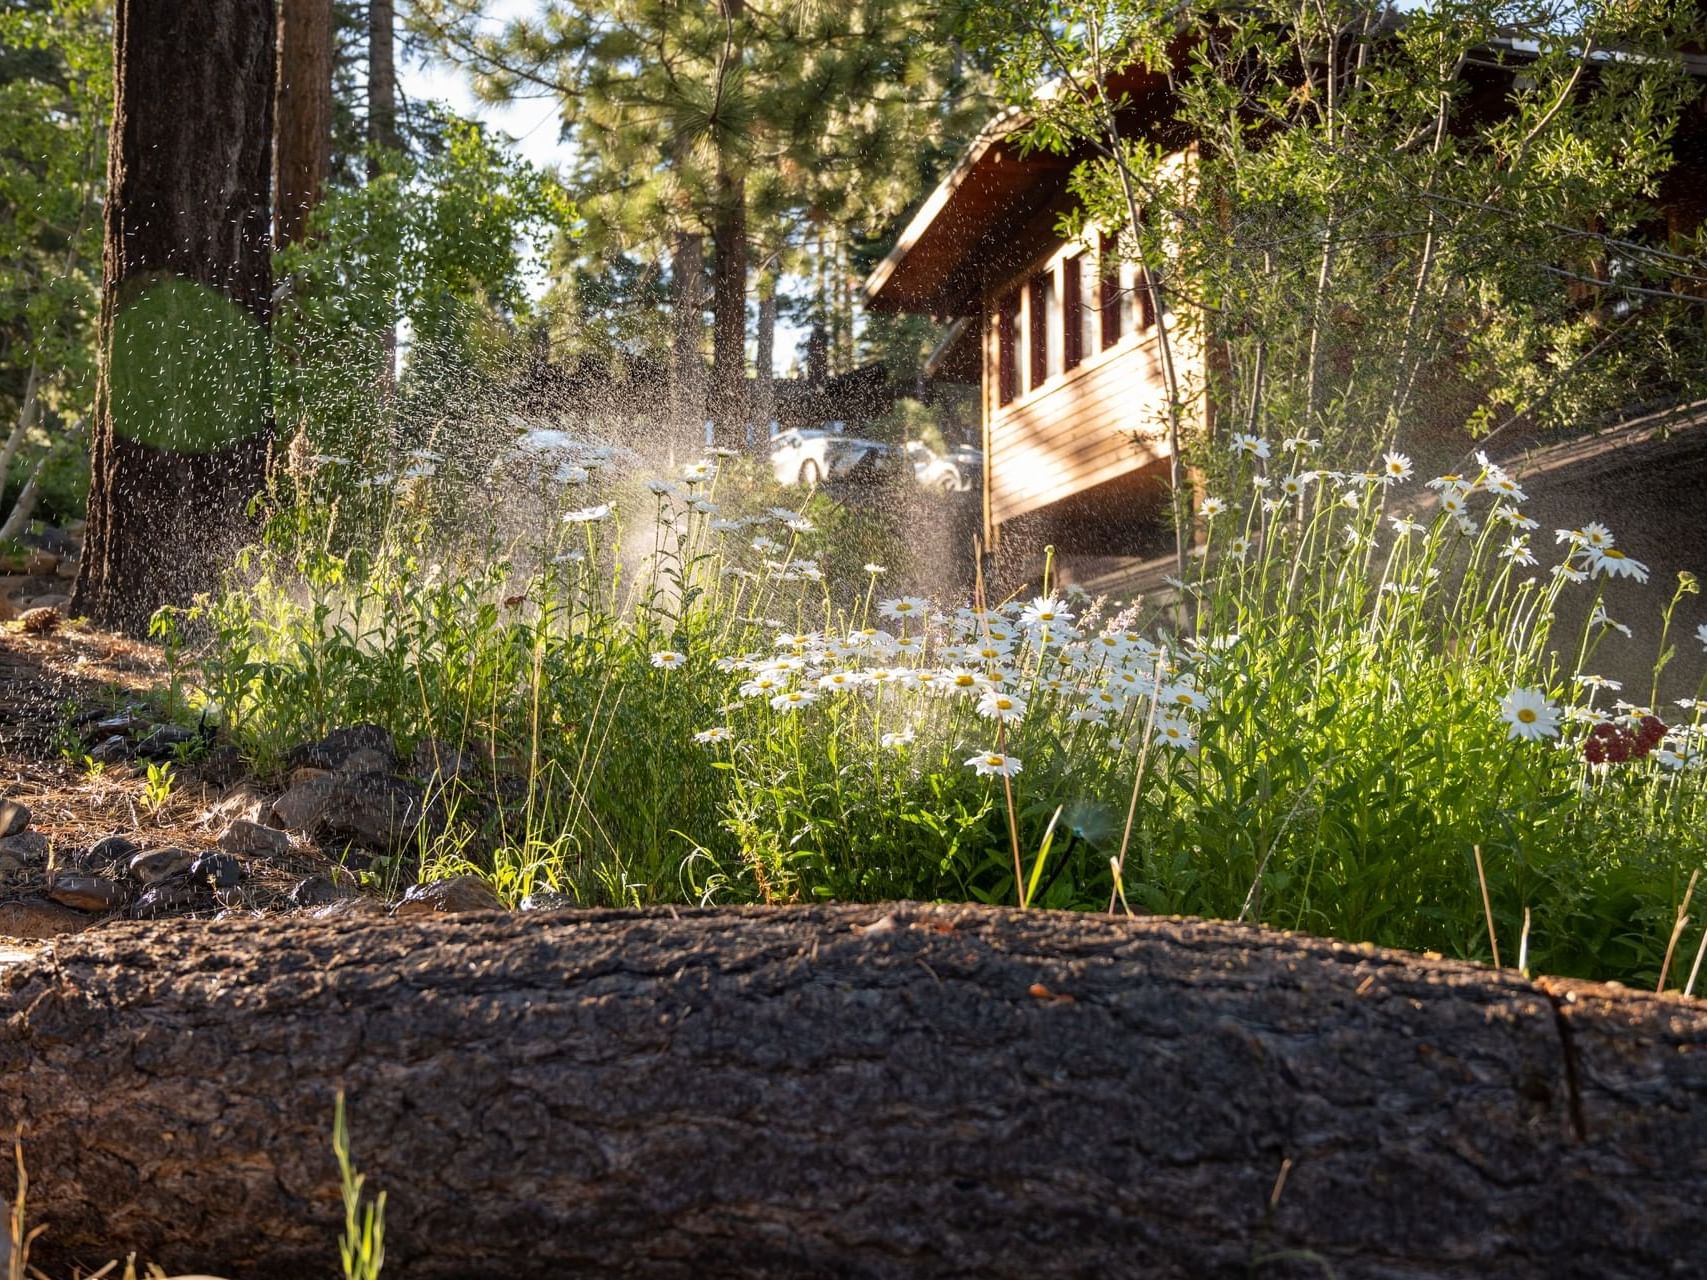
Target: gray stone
{"type": "Point", "coordinates": [163, 741]}
{"type": "Point", "coordinates": [441, 897]}
{"type": "Point", "coordinates": [375, 810]}
{"type": "Point", "coordinates": [366, 760]}
{"type": "Point", "coordinates": [158, 865]}
{"type": "Point", "coordinates": [220, 870]}
{"type": "Point", "coordinates": [349, 908]}
{"type": "Point", "coordinates": [302, 807]}
{"type": "Point", "coordinates": [39, 918]}
{"type": "Point", "coordinates": [254, 840]}
{"type": "Point", "coordinates": [66, 568]}
{"type": "Point", "coordinates": [547, 900]}
{"type": "Point", "coordinates": [315, 891]}
{"type": "Point", "coordinates": [243, 803]}
{"type": "Point", "coordinates": [10, 864]}
{"type": "Point", "coordinates": [125, 723]}
{"type": "Point", "coordinates": [114, 848]}
{"type": "Point", "coordinates": [170, 896]}
{"type": "Point", "coordinates": [338, 745]}
{"type": "Point", "coordinates": [26, 846]}
{"type": "Point", "coordinates": [86, 893]}
{"type": "Point", "coordinates": [14, 817]}
{"type": "Point", "coordinates": [110, 750]}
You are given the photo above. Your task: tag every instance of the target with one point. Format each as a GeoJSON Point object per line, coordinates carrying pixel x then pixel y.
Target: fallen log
{"type": "Point", "coordinates": [847, 1091]}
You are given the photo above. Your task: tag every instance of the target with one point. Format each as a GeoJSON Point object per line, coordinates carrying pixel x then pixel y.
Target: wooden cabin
{"type": "Point", "coordinates": [1065, 355]}
{"type": "Point", "coordinates": [1064, 352]}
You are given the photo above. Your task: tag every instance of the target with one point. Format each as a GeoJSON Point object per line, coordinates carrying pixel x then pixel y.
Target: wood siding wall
{"type": "Point", "coordinates": [1063, 433]}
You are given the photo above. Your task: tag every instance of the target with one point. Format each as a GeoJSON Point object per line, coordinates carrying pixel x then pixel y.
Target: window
{"type": "Point", "coordinates": [1043, 328]}
{"type": "Point", "coordinates": [1007, 348]}
{"type": "Point", "coordinates": [1108, 281]}
{"type": "Point", "coordinates": [1079, 278]}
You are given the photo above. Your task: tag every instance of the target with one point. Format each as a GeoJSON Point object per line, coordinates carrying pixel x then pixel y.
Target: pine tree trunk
{"type": "Point", "coordinates": [686, 428]}
{"type": "Point", "coordinates": [382, 133]}
{"type": "Point", "coordinates": [181, 420]}
{"type": "Point", "coordinates": [303, 115]}
{"type": "Point", "coordinates": [729, 312]}
{"type": "Point", "coordinates": [764, 405]}
{"type": "Point", "coordinates": [883, 1091]}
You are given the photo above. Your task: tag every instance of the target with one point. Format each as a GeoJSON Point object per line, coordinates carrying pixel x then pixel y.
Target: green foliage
{"type": "Point", "coordinates": [439, 244]}
{"type": "Point", "coordinates": [1327, 751]}
{"type": "Point", "coordinates": [361, 1248]}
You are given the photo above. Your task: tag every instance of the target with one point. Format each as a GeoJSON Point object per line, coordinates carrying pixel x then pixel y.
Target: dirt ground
{"type": "Point", "coordinates": [54, 691]}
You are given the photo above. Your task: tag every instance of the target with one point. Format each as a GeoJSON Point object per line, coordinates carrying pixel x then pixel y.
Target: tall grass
{"type": "Point", "coordinates": [675, 693]}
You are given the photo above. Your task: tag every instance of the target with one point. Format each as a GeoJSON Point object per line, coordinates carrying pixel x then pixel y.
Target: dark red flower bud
{"type": "Point", "coordinates": [1605, 729]}
{"type": "Point", "coordinates": [1650, 731]}
{"type": "Point", "coordinates": [1594, 750]}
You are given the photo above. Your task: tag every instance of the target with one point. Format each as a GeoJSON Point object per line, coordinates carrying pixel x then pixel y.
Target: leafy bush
{"type": "Point", "coordinates": [672, 699]}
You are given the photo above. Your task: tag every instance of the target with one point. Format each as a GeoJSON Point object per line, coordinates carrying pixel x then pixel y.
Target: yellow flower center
{"type": "Point", "coordinates": [1527, 715]}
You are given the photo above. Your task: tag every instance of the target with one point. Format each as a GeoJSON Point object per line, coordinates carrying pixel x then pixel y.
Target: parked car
{"type": "Point", "coordinates": [956, 471]}
{"type": "Point", "coordinates": [812, 455]}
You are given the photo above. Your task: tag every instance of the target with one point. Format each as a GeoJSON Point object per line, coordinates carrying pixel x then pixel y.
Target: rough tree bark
{"type": "Point", "coordinates": [302, 154]}
{"type": "Point", "coordinates": [382, 135]}
{"type": "Point", "coordinates": [852, 1091]}
{"type": "Point", "coordinates": [729, 312]}
{"type": "Point", "coordinates": [181, 419]}
{"type": "Point", "coordinates": [687, 334]}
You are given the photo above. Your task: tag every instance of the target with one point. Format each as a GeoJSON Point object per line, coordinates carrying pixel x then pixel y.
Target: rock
{"type": "Point", "coordinates": [86, 893]}
{"type": "Point", "coordinates": [315, 891]}
{"type": "Point", "coordinates": [352, 907]}
{"type": "Point", "coordinates": [307, 774]}
{"type": "Point", "coordinates": [434, 758]}
{"type": "Point", "coordinates": [302, 807]}
{"type": "Point", "coordinates": [39, 918]}
{"type": "Point", "coordinates": [163, 741]}
{"type": "Point", "coordinates": [125, 723]}
{"type": "Point", "coordinates": [26, 846]}
{"type": "Point", "coordinates": [223, 765]}
{"type": "Point", "coordinates": [366, 760]}
{"type": "Point", "coordinates": [158, 865]}
{"type": "Point", "coordinates": [254, 840]}
{"type": "Point", "coordinates": [220, 870]}
{"type": "Point", "coordinates": [547, 900]}
{"type": "Point", "coordinates": [245, 803]}
{"type": "Point", "coordinates": [338, 745]}
{"type": "Point", "coordinates": [459, 893]}
{"type": "Point", "coordinates": [14, 817]}
{"type": "Point", "coordinates": [43, 561]}
{"type": "Point", "coordinates": [52, 601]}
{"type": "Point", "coordinates": [10, 864]}
{"type": "Point", "coordinates": [114, 848]}
{"type": "Point", "coordinates": [169, 896]}
{"type": "Point", "coordinates": [376, 810]}
{"type": "Point", "coordinates": [111, 751]}
{"type": "Point", "coordinates": [66, 568]}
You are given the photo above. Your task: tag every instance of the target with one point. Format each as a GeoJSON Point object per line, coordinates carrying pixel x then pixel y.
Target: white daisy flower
{"type": "Point", "coordinates": [1293, 486]}
{"type": "Point", "coordinates": [1249, 445]}
{"type": "Point", "coordinates": [1174, 732]}
{"type": "Point", "coordinates": [902, 607]}
{"type": "Point", "coordinates": [1300, 444]}
{"type": "Point", "coordinates": [588, 515]}
{"type": "Point", "coordinates": [1211, 508]}
{"type": "Point", "coordinates": [793, 700]}
{"type": "Point", "coordinates": [1701, 634]}
{"type": "Point", "coordinates": [1530, 715]}
{"type": "Point", "coordinates": [1086, 715]}
{"type": "Point", "coordinates": [1395, 467]}
{"type": "Point", "coordinates": [1517, 551]}
{"type": "Point", "coordinates": [1614, 563]}
{"type": "Point", "coordinates": [1005, 707]}
{"type": "Point", "coordinates": [717, 733]}
{"type": "Point", "coordinates": [874, 570]}
{"type": "Point", "coordinates": [899, 738]}
{"type": "Point", "coordinates": [989, 763]}
{"type": "Point", "coordinates": [1041, 611]}
{"type": "Point", "coordinates": [1183, 695]}
{"type": "Point", "coordinates": [1599, 618]}
{"type": "Point", "coordinates": [668, 659]}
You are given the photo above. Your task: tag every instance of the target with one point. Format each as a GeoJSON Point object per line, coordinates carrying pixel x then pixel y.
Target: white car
{"type": "Point", "coordinates": [812, 455]}
{"type": "Point", "coordinates": [954, 472]}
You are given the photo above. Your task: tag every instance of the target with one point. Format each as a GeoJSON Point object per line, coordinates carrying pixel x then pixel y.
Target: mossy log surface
{"type": "Point", "coordinates": [884, 1091]}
